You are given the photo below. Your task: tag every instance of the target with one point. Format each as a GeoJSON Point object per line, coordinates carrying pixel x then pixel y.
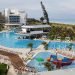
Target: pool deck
{"type": "Point", "coordinates": [59, 72]}
{"type": "Point", "coordinates": [17, 60]}
{"type": "Point", "coordinates": [15, 50]}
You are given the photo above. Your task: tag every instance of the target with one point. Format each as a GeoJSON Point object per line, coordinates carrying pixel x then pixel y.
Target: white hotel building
{"type": "Point", "coordinates": [17, 19]}
{"type": "Point", "coordinates": [14, 18]}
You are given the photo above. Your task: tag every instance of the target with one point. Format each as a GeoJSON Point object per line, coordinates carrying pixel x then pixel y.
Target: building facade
{"type": "Point", "coordinates": [14, 18]}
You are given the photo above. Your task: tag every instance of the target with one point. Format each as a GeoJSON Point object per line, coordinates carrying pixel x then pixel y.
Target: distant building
{"type": "Point", "coordinates": [14, 18]}
{"type": "Point", "coordinates": [17, 20]}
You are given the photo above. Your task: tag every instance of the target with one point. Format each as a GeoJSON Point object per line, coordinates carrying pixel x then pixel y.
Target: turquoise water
{"type": "Point", "coordinates": [9, 39]}
{"type": "Point", "coordinates": [60, 45]}
{"type": "Point", "coordinates": [44, 55]}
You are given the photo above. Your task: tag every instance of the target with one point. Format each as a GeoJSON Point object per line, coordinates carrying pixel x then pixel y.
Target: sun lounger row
{"type": "Point", "coordinates": [69, 54]}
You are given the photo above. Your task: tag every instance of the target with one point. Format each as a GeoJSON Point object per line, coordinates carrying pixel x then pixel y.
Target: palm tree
{"type": "Point", "coordinates": [45, 45]}
{"type": "Point", "coordinates": [30, 45]}
{"type": "Point", "coordinates": [49, 66]}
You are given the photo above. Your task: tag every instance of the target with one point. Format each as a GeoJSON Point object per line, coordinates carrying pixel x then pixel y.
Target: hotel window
{"type": "Point", "coordinates": [14, 19]}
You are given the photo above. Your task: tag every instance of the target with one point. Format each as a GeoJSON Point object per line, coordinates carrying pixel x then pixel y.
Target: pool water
{"type": "Point", "coordinates": [9, 39]}
{"type": "Point", "coordinates": [44, 55]}
{"type": "Point", "coordinates": [60, 45]}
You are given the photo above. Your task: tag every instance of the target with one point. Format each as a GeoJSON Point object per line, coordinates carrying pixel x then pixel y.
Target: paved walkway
{"type": "Point", "coordinates": [59, 72]}
{"type": "Point", "coordinates": [11, 71]}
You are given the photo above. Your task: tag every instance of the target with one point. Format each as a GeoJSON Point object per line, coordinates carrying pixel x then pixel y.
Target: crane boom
{"type": "Point", "coordinates": [45, 13]}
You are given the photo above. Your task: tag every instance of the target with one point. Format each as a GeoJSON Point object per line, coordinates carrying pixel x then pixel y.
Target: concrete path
{"type": "Point", "coordinates": [11, 71]}
{"type": "Point", "coordinates": [59, 72]}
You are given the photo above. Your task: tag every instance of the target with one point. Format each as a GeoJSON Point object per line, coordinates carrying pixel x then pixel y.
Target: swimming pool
{"type": "Point", "coordinates": [60, 45]}
{"type": "Point", "coordinates": [44, 55]}
{"type": "Point", "coordinates": [9, 39]}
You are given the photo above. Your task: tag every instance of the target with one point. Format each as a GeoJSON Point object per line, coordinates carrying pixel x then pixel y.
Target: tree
{"type": "Point", "coordinates": [3, 69]}
{"type": "Point", "coordinates": [52, 33]}
{"type": "Point", "coordinates": [45, 13]}
{"type": "Point", "coordinates": [70, 33]}
{"type": "Point", "coordinates": [42, 19]}
{"type": "Point", "coordinates": [49, 66]}
{"type": "Point", "coordinates": [2, 18]}
{"type": "Point", "coordinates": [45, 45]}
{"type": "Point", "coordinates": [32, 21]}
{"type": "Point", "coordinates": [2, 21]}
{"type": "Point", "coordinates": [30, 45]}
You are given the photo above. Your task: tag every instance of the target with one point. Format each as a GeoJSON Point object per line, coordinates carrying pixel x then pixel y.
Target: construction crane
{"type": "Point", "coordinates": [45, 13]}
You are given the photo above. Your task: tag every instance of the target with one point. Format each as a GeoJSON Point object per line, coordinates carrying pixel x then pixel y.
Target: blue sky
{"type": "Point", "coordinates": [59, 10]}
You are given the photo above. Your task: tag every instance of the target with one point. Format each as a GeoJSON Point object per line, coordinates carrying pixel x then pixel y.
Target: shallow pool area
{"type": "Point", "coordinates": [44, 55]}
